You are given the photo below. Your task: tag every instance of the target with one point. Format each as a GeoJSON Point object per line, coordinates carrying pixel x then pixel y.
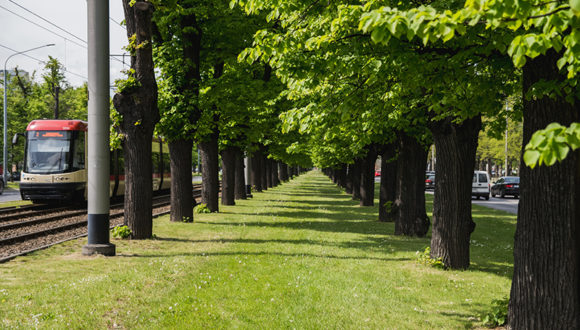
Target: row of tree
{"type": "Point", "coordinates": [200, 95]}
{"type": "Point", "coordinates": [403, 75]}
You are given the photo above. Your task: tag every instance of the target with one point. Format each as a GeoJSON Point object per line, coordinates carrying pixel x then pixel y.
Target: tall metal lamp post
{"type": "Point", "coordinates": [5, 155]}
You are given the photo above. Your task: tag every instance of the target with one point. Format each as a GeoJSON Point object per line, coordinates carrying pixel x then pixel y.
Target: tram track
{"type": "Point", "coordinates": [27, 229]}
{"type": "Point", "coordinates": [31, 235]}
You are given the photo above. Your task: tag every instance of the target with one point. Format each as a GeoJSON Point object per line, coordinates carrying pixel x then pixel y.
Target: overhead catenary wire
{"type": "Point", "coordinates": [51, 23]}
{"type": "Point", "coordinates": [43, 62]}
{"type": "Point", "coordinates": [47, 21]}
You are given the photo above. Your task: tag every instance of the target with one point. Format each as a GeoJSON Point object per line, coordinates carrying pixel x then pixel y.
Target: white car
{"type": "Point", "coordinates": [480, 185]}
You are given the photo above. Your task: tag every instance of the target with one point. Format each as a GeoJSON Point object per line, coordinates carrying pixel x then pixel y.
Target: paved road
{"type": "Point", "coordinates": [508, 204]}
{"type": "Point", "coordinates": [10, 195]}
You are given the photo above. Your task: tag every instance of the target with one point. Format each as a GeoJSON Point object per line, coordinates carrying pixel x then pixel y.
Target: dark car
{"type": "Point", "coordinates": [430, 181]}
{"type": "Point", "coordinates": [1, 185]}
{"type": "Point", "coordinates": [507, 185]}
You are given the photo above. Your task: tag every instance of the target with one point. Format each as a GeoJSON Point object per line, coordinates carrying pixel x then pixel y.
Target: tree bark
{"type": "Point", "coordinates": [240, 182]}
{"type": "Point", "coordinates": [356, 169]}
{"type": "Point", "coordinates": [257, 171]}
{"type": "Point", "coordinates": [275, 180]}
{"type": "Point", "coordinates": [210, 173]}
{"type": "Point", "coordinates": [182, 201]}
{"type": "Point", "coordinates": [456, 145]}
{"type": "Point", "coordinates": [349, 175]}
{"type": "Point", "coordinates": [367, 177]}
{"type": "Point", "coordinates": [228, 176]}
{"type": "Point", "coordinates": [138, 108]}
{"type": "Point", "coordinates": [264, 172]}
{"type": "Point", "coordinates": [341, 176]}
{"type": "Point", "coordinates": [388, 190]}
{"type": "Point", "coordinates": [411, 216]}
{"type": "Point", "coordinates": [283, 172]}
{"type": "Point", "coordinates": [545, 292]}
{"type": "Point", "coordinates": [268, 172]}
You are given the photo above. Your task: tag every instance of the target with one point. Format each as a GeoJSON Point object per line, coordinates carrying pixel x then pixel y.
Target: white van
{"type": "Point", "coordinates": [480, 185]}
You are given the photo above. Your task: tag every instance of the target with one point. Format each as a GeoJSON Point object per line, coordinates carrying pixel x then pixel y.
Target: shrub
{"type": "Point", "coordinates": [201, 208]}
{"type": "Point", "coordinates": [121, 232]}
{"type": "Point", "coordinates": [424, 258]}
{"type": "Point", "coordinates": [498, 314]}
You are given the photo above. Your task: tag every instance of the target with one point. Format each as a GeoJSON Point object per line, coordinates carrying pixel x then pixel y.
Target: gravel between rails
{"type": "Point", "coordinates": [11, 251]}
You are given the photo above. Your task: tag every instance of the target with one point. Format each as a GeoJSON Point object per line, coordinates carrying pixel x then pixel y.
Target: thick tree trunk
{"type": "Point", "coordinates": [283, 172]}
{"type": "Point", "coordinates": [264, 174]}
{"type": "Point", "coordinates": [210, 173]}
{"type": "Point", "coordinates": [275, 180]}
{"type": "Point", "coordinates": [367, 177]}
{"type": "Point", "coordinates": [356, 169]}
{"type": "Point", "coordinates": [348, 183]}
{"type": "Point", "coordinates": [240, 184]}
{"type": "Point", "coordinates": [138, 108]}
{"type": "Point", "coordinates": [545, 291]}
{"type": "Point", "coordinates": [452, 223]}
{"type": "Point", "coordinates": [257, 171]}
{"type": "Point", "coordinates": [228, 175]}
{"type": "Point", "coordinates": [341, 176]}
{"type": "Point", "coordinates": [182, 201]}
{"type": "Point", "coordinates": [411, 216]}
{"type": "Point", "coordinates": [268, 172]}
{"type": "Point", "coordinates": [388, 190]}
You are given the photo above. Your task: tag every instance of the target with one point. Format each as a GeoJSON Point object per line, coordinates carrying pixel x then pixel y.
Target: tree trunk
{"type": "Point", "coordinates": [411, 216]}
{"type": "Point", "coordinates": [210, 173]}
{"type": "Point", "coordinates": [182, 201]}
{"type": "Point", "coordinates": [356, 169]}
{"type": "Point", "coordinates": [228, 176]}
{"type": "Point", "coordinates": [545, 292]}
{"type": "Point", "coordinates": [138, 109]}
{"type": "Point", "coordinates": [349, 175]}
{"type": "Point", "coordinates": [341, 176]}
{"type": "Point", "coordinates": [388, 190]}
{"type": "Point", "coordinates": [452, 223]}
{"type": "Point", "coordinates": [264, 172]}
{"type": "Point", "coordinates": [268, 172]}
{"type": "Point", "coordinates": [367, 177]}
{"type": "Point", "coordinates": [240, 184]}
{"type": "Point", "coordinates": [283, 172]}
{"type": "Point", "coordinates": [257, 171]}
{"type": "Point", "coordinates": [275, 180]}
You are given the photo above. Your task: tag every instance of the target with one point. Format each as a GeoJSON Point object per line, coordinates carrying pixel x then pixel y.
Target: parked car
{"type": "Point", "coordinates": [507, 185]}
{"type": "Point", "coordinates": [480, 185]}
{"type": "Point", "coordinates": [430, 181]}
{"type": "Point", "coordinates": [378, 173]}
{"type": "Point", "coordinates": [1, 185]}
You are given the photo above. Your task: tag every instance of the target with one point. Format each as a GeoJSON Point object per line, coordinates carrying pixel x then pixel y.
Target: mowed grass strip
{"type": "Point", "coordinates": [302, 255]}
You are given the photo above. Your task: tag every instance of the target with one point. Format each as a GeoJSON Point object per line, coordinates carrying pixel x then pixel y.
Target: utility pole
{"type": "Point", "coordinates": [506, 138]}
{"type": "Point", "coordinates": [98, 131]}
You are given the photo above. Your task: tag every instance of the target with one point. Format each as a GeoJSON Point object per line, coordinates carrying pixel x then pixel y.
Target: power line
{"type": "Point", "coordinates": [46, 29]}
{"type": "Point", "coordinates": [47, 21]}
{"type": "Point", "coordinates": [44, 62]}
{"type": "Point", "coordinates": [42, 27]}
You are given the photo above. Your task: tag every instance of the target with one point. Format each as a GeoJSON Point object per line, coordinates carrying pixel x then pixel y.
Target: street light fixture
{"type": "Point", "coordinates": [5, 157]}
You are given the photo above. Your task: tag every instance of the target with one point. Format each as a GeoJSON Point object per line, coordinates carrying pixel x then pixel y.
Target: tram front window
{"type": "Point", "coordinates": [48, 152]}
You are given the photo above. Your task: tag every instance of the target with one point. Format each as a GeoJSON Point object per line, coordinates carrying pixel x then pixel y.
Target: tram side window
{"type": "Point", "coordinates": [79, 152]}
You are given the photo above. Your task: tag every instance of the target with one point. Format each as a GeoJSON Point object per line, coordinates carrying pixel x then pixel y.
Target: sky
{"type": "Point", "coordinates": [26, 24]}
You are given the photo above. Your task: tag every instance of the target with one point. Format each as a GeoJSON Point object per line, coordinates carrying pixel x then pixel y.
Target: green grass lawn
{"type": "Point", "coordinates": [302, 255]}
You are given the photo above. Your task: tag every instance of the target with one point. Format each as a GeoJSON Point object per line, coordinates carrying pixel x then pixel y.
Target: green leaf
{"type": "Point", "coordinates": [531, 158]}
{"type": "Point", "coordinates": [537, 139]}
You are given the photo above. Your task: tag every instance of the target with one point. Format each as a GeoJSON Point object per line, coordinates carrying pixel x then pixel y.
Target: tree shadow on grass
{"type": "Point", "coordinates": [370, 244]}
{"type": "Point", "coordinates": [280, 254]}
